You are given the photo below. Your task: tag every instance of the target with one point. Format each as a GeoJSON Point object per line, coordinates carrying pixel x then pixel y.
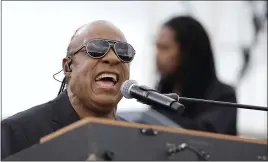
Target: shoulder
{"type": "Point", "coordinates": [34, 114]}
{"type": "Point", "coordinates": [24, 129]}
{"type": "Point", "coordinates": [221, 91]}
{"type": "Point", "coordinates": [29, 124]}
{"type": "Point", "coordinates": [225, 88]}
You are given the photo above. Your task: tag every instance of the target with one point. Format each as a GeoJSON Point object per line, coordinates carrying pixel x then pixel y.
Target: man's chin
{"type": "Point", "coordinates": [106, 101]}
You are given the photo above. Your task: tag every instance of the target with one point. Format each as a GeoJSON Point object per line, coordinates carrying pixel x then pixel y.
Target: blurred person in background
{"type": "Point", "coordinates": [185, 62]}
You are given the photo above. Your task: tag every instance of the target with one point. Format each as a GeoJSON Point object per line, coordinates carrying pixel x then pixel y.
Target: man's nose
{"type": "Point", "coordinates": [111, 58]}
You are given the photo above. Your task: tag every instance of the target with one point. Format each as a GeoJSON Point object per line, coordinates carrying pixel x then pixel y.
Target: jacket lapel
{"type": "Point", "coordinates": [63, 112]}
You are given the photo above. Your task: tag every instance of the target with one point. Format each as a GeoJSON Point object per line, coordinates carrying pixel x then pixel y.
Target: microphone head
{"type": "Point", "coordinates": [125, 88]}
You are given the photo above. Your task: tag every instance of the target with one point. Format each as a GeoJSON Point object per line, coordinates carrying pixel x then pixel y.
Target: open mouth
{"type": "Point", "coordinates": [106, 80]}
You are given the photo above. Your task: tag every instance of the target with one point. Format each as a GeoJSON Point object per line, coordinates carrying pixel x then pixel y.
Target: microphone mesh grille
{"type": "Point", "coordinates": [125, 88]}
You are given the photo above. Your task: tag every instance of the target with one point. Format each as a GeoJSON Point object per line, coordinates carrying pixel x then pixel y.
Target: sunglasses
{"type": "Point", "coordinates": [98, 48]}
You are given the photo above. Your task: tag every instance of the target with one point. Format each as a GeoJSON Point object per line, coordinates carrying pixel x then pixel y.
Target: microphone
{"type": "Point", "coordinates": [131, 89]}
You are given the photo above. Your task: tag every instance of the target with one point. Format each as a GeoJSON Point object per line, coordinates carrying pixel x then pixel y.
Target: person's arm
{"type": "Point", "coordinates": [217, 119]}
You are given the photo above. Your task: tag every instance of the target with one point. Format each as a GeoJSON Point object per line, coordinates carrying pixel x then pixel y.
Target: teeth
{"type": "Point", "coordinates": [107, 75]}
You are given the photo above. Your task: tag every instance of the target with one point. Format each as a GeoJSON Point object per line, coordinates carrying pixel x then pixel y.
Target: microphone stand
{"type": "Point", "coordinates": [202, 101]}
{"type": "Point", "coordinates": [228, 104]}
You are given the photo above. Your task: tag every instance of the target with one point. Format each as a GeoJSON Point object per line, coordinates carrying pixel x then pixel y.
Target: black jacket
{"type": "Point", "coordinates": [210, 118]}
{"type": "Point", "coordinates": [25, 129]}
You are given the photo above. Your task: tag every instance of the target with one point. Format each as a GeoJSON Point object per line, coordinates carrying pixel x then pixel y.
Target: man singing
{"type": "Point", "coordinates": [96, 65]}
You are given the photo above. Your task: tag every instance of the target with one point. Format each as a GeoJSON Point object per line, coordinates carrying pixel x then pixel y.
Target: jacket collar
{"type": "Point", "coordinates": [64, 113]}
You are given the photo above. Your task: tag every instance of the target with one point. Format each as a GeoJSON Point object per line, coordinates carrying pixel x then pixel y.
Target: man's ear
{"type": "Point", "coordinates": [66, 63]}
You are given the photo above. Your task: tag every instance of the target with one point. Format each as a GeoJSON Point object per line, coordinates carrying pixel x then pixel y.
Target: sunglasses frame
{"type": "Point", "coordinates": [111, 45]}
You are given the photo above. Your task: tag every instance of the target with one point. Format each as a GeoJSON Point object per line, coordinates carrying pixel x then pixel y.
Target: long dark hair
{"type": "Point", "coordinates": [196, 70]}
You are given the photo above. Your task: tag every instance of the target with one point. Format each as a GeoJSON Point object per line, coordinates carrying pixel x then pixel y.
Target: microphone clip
{"type": "Point", "coordinates": [145, 88]}
{"type": "Point", "coordinates": [178, 106]}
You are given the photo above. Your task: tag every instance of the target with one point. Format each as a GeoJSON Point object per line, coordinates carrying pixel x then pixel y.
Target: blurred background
{"type": "Point", "coordinates": [35, 36]}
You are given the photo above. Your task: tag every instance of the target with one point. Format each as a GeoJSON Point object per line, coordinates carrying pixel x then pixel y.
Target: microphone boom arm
{"type": "Point", "coordinates": [228, 104]}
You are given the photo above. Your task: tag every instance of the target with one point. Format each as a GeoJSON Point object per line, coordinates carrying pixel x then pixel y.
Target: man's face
{"type": "Point", "coordinates": [167, 52]}
{"type": "Point", "coordinates": [99, 94]}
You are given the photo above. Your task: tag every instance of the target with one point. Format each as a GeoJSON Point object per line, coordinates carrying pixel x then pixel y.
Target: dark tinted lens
{"type": "Point", "coordinates": [97, 48]}
{"type": "Point", "coordinates": [125, 51]}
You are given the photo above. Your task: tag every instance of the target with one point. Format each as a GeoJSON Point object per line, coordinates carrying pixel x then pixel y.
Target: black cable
{"type": "Point", "coordinates": [55, 75]}
{"type": "Point", "coordinates": [202, 155]}
{"type": "Point", "coordinates": [63, 82]}
{"type": "Point", "coordinates": [62, 86]}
